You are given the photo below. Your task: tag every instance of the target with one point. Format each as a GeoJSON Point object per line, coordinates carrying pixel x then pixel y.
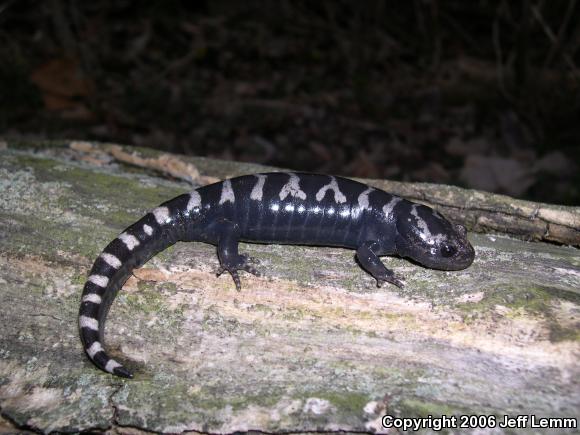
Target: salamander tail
{"type": "Point", "coordinates": [132, 248]}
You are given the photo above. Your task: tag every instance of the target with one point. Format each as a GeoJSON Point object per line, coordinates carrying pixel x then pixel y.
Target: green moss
{"type": "Point", "coordinates": [344, 365]}
{"type": "Point", "coordinates": [171, 400]}
{"type": "Point", "coordinates": [560, 333]}
{"type": "Point", "coordinates": [146, 153]}
{"type": "Point", "coordinates": [346, 402]}
{"type": "Point", "coordinates": [150, 304]}
{"type": "Point", "coordinates": [168, 287]}
{"type": "Point", "coordinates": [177, 401]}
{"type": "Point", "coordinates": [294, 314]}
{"type": "Point", "coordinates": [52, 238]}
{"type": "Point", "coordinates": [267, 399]}
{"type": "Point", "coordinates": [90, 182]}
{"type": "Point", "coordinates": [123, 191]}
{"type": "Point", "coordinates": [214, 321]}
{"type": "Point", "coordinates": [149, 300]}
{"type": "Point", "coordinates": [26, 161]}
{"type": "Point", "coordinates": [79, 279]}
{"type": "Point", "coordinates": [389, 373]}
{"type": "Point", "coordinates": [114, 187]}
{"type": "Point", "coordinates": [523, 302]}
{"type": "Point", "coordinates": [413, 407]}
{"type": "Point", "coordinates": [262, 308]}
{"type": "Point", "coordinates": [113, 200]}
{"type": "Point", "coordinates": [534, 300]}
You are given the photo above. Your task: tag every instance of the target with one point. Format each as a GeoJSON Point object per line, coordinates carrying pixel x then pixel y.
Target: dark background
{"type": "Point", "coordinates": [482, 94]}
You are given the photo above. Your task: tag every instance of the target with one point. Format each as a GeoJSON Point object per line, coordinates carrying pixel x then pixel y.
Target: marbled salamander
{"type": "Point", "coordinates": [293, 208]}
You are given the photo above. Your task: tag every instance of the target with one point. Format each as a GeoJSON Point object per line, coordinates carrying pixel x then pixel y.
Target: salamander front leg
{"type": "Point", "coordinates": [230, 260]}
{"type": "Point", "coordinates": [373, 265]}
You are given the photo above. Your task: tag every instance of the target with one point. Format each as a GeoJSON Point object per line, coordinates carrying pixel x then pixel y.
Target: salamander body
{"type": "Point", "coordinates": [289, 208]}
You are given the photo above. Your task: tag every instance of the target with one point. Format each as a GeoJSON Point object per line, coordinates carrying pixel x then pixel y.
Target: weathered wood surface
{"type": "Point", "coordinates": [312, 346]}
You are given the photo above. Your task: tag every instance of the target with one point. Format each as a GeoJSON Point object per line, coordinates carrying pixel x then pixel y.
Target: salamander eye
{"type": "Point", "coordinates": [448, 250]}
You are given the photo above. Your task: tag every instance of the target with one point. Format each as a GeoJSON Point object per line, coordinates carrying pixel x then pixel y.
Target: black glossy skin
{"type": "Point", "coordinates": [294, 220]}
{"type": "Point", "coordinates": [294, 208]}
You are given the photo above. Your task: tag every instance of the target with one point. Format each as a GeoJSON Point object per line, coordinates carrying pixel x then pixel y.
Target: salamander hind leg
{"type": "Point", "coordinates": [230, 260]}
{"type": "Point", "coordinates": [373, 265]}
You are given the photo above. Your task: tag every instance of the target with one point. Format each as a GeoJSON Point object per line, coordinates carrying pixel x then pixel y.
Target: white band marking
{"type": "Point", "coordinates": [424, 228]}
{"type": "Point", "coordinates": [388, 208]}
{"type": "Point", "coordinates": [258, 190]}
{"type": "Point", "coordinates": [89, 322]}
{"type": "Point", "coordinates": [227, 193]}
{"type": "Point", "coordinates": [339, 197]}
{"type": "Point", "coordinates": [194, 200]}
{"type": "Point", "coordinates": [292, 188]}
{"type": "Point", "coordinates": [94, 349]}
{"type": "Point", "coordinates": [92, 297]}
{"type": "Point", "coordinates": [112, 365]}
{"type": "Point", "coordinates": [129, 240]}
{"type": "Point", "coordinates": [161, 215]}
{"type": "Point", "coordinates": [111, 260]}
{"type": "Point", "coordinates": [100, 280]}
{"type": "Point", "coordinates": [363, 199]}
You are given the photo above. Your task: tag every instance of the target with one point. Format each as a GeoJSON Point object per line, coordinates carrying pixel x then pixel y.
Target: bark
{"type": "Point", "coordinates": [311, 346]}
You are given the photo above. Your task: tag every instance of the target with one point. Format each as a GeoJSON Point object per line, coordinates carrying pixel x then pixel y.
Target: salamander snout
{"type": "Point", "coordinates": [431, 240]}
{"type": "Point", "coordinates": [464, 252]}
{"type": "Point", "coordinates": [458, 250]}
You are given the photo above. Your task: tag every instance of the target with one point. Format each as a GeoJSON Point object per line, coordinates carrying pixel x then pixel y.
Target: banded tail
{"type": "Point", "coordinates": [153, 233]}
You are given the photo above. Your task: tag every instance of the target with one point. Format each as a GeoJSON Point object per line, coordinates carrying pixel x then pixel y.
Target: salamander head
{"type": "Point", "coordinates": [431, 240]}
